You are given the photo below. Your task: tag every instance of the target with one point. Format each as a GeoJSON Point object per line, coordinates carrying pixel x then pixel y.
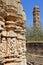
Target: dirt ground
{"type": "Point", "coordinates": [33, 59]}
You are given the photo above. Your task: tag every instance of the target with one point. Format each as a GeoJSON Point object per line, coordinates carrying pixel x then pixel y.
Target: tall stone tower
{"type": "Point", "coordinates": [36, 20]}
{"type": "Point", "coordinates": [12, 33]}
{"type": "Point", "coordinates": [36, 16]}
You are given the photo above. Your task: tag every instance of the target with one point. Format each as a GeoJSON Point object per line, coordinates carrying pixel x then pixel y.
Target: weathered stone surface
{"type": "Point", "coordinates": [12, 38]}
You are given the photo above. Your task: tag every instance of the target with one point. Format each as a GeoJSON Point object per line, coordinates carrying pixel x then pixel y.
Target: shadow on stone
{"type": "Point", "coordinates": [1, 63]}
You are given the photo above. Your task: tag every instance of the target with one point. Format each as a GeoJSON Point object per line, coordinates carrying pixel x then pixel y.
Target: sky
{"type": "Point", "coordinates": [28, 6]}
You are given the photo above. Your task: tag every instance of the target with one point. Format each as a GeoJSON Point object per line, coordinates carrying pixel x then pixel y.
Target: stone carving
{"type": "Point", "coordinates": [2, 47]}
{"type": "Point", "coordinates": [24, 46]}
{"type": "Point", "coordinates": [19, 47]}
{"type": "Point", "coordinates": [12, 45]}
{"type": "Point", "coordinates": [4, 42]}
{"type": "Point", "coordinates": [12, 39]}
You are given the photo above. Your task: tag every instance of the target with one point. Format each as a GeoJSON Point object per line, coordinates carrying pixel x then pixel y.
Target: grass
{"type": "Point", "coordinates": [34, 38]}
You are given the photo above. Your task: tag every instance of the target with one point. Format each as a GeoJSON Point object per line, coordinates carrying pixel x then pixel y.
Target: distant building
{"type": "Point", "coordinates": [36, 16]}
{"type": "Point", "coordinates": [35, 48]}
{"type": "Point", "coordinates": [36, 20]}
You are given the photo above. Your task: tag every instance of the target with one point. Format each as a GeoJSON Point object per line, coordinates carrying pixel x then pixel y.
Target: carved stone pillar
{"type": "Point", "coordinates": [12, 42]}
{"type": "Point", "coordinates": [12, 46]}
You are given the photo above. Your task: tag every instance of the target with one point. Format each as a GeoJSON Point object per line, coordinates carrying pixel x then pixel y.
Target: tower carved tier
{"type": "Point", "coordinates": [36, 16]}
{"type": "Point", "coordinates": [12, 33]}
{"type": "Point", "coordinates": [36, 21]}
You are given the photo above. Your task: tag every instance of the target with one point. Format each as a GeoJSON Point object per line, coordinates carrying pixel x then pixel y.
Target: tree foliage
{"type": "Point", "coordinates": [34, 33]}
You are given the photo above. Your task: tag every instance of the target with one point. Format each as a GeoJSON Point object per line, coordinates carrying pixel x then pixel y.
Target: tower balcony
{"type": "Point", "coordinates": [36, 9]}
{"type": "Point", "coordinates": [36, 13]}
{"type": "Point", "coordinates": [38, 17]}
{"type": "Point", "coordinates": [36, 20]}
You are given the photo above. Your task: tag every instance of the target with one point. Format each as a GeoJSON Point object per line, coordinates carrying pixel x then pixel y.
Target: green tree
{"type": "Point", "coordinates": [34, 33]}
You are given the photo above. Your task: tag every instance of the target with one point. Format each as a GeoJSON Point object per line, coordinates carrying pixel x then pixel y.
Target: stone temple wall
{"type": "Point", "coordinates": [12, 33]}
